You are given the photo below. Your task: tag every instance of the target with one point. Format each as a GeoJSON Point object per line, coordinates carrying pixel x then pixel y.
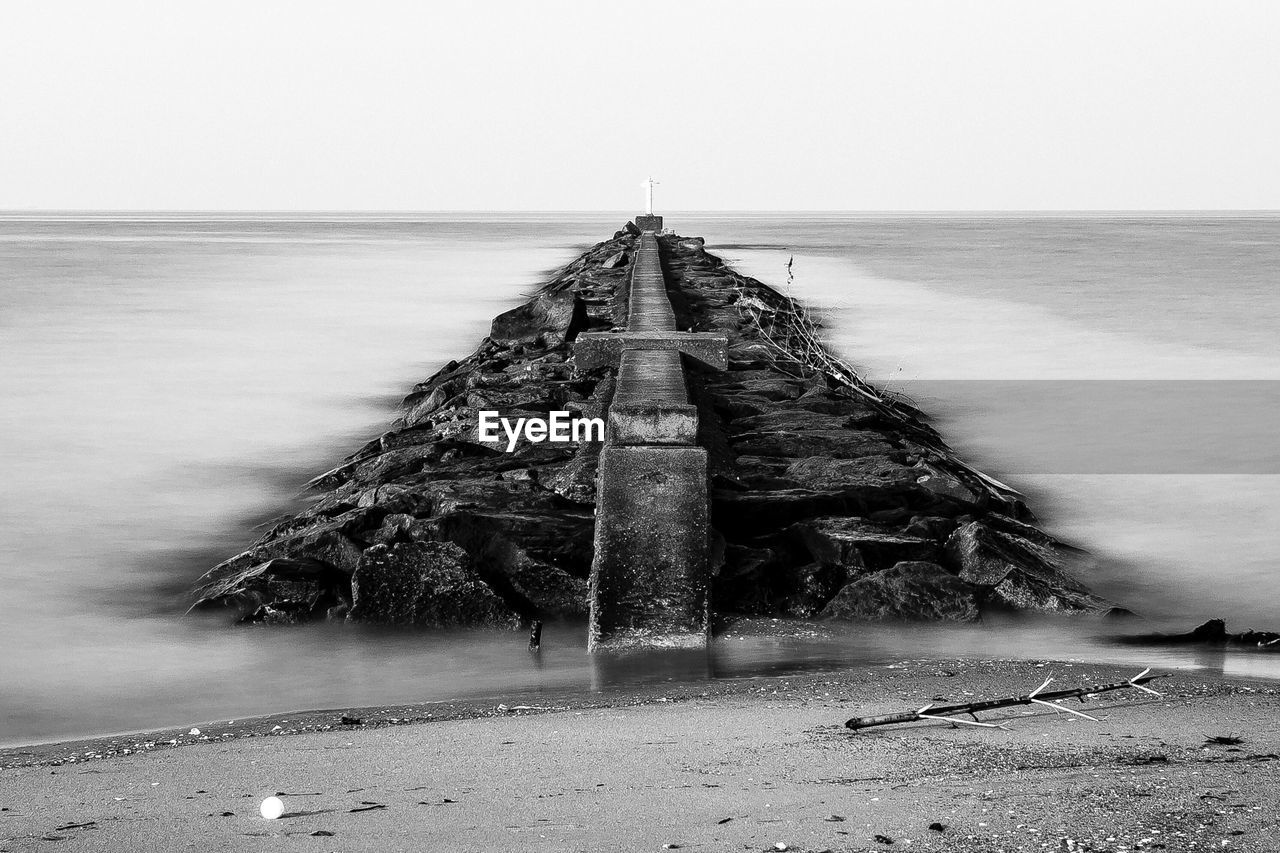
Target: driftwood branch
{"type": "Point", "coordinates": [1035, 697]}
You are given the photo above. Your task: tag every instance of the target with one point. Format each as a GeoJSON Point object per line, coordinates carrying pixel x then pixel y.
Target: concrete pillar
{"type": "Point", "coordinates": [649, 581]}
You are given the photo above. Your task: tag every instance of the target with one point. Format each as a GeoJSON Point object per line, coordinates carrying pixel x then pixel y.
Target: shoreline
{"type": "Point", "coordinates": [758, 745]}
{"type": "Point", "coordinates": [528, 701]}
{"type": "Point", "coordinates": [742, 651]}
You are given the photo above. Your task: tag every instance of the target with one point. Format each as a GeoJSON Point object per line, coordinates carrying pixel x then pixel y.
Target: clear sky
{"type": "Point", "coordinates": [553, 105]}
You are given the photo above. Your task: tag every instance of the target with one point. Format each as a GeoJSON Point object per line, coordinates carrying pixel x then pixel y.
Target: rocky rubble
{"type": "Point", "coordinates": [828, 501]}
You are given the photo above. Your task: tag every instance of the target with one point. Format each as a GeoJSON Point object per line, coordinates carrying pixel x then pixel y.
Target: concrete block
{"type": "Point", "coordinates": [650, 576]}
{"type": "Point", "coordinates": [655, 423]}
{"type": "Point", "coordinates": [649, 222]}
{"type": "Point", "coordinates": [604, 349]}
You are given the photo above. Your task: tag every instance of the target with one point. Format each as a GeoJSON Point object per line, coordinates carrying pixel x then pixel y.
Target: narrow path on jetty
{"type": "Point", "coordinates": [650, 575]}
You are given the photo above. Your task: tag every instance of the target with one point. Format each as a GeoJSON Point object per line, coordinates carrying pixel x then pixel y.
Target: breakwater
{"type": "Point", "coordinates": [823, 497]}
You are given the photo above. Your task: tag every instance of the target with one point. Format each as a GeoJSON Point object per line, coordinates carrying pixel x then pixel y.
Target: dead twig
{"type": "Point", "coordinates": [1035, 697]}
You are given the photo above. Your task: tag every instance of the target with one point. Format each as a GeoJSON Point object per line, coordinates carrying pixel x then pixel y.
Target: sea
{"type": "Point", "coordinates": [169, 381]}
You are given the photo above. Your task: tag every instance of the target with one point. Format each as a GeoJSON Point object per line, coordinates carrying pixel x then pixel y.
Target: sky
{"type": "Point", "coordinates": [876, 106]}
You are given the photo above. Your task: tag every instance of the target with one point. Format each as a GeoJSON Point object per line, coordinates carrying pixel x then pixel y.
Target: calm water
{"type": "Point", "coordinates": [169, 381]}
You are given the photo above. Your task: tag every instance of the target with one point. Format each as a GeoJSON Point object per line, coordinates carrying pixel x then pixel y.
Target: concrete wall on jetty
{"type": "Point", "coordinates": [650, 576]}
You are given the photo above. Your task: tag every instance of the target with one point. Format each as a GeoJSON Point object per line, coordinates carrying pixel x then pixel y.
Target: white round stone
{"type": "Point", "coordinates": [272, 808]}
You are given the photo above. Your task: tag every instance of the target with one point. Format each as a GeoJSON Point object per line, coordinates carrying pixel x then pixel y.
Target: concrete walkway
{"type": "Point", "coordinates": [650, 576]}
{"type": "Point", "coordinates": [648, 306]}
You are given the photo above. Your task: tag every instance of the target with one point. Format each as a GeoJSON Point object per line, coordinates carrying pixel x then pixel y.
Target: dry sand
{"type": "Point", "coordinates": [742, 765]}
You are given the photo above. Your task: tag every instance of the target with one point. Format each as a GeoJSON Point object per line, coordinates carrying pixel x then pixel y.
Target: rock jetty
{"type": "Point", "coordinates": [829, 498]}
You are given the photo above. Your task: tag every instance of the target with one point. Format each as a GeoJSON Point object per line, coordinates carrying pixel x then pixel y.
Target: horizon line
{"type": "Point", "coordinates": [674, 212]}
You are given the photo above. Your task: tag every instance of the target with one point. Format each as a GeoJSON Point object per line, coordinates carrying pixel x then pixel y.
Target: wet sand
{"type": "Point", "coordinates": [736, 765]}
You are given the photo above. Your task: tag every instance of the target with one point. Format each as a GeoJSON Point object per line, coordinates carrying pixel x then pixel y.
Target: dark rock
{"type": "Point", "coordinates": [1260, 639]}
{"type": "Point", "coordinates": [551, 317]}
{"type": "Point", "coordinates": [1012, 527]}
{"type": "Point", "coordinates": [930, 527]}
{"type": "Point", "coordinates": [813, 585]}
{"type": "Point", "coordinates": [745, 353]}
{"type": "Point", "coordinates": [425, 583]}
{"type": "Point", "coordinates": [745, 514]}
{"type": "Point", "coordinates": [1019, 574]}
{"type": "Point", "coordinates": [432, 402]}
{"type": "Point", "coordinates": [1053, 592]}
{"type": "Point", "coordinates": [789, 419]}
{"type": "Point", "coordinates": [617, 259]}
{"type": "Point", "coordinates": [746, 580]}
{"type": "Point", "coordinates": [985, 557]}
{"type": "Point", "coordinates": [576, 481]}
{"type": "Point", "coordinates": [538, 561]}
{"type": "Point", "coordinates": [282, 612]}
{"type": "Point", "coordinates": [394, 499]}
{"type": "Point", "coordinates": [389, 466]}
{"type": "Point", "coordinates": [772, 388]}
{"type": "Point", "coordinates": [257, 585]}
{"type": "Point", "coordinates": [1212, 632]}
{"type": "Point", "coordinates": [910, 591]}
{"type": "Point", "coordinates": [838, 444]}
{"type": "Point", "coordinates": [862, 545]}
{"type": "Point", "coordinates": [875, 471]}
{"type": "Point", "coordinates": [401, 527]}
{"type": "Point", "coordinates": [944, 483]}
{"type": "Point", "coordinates": [632, 229]}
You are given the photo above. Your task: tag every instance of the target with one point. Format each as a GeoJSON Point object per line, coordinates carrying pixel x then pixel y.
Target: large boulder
{"type": "Point", "coordinates": [309, 540]}
{"type": "Point", "coordinates": [945, 483]}
{"type": "Point", "coordinates": [431, 584]}
{"type": "Point", "coordinates": [537, 560]}
{"type": "Point", "coordinates": [552, 318]}
{"type": "Point", "coordinates": [910, 591]}
{"type": "Point", "coordinates": [1016, 572]}
{"type": "Point", "coordinates": [426, 406]}
{"type": "Point", "coordinates": [310, 586]}
{"type": "Point", "coordinates": [617, 259]}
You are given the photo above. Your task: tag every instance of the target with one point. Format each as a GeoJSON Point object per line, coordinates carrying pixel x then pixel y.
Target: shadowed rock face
{"type": "Point", "coordinates": [424, 583]}
{"type": "Point", "coordinates": [909, 590]}
{"type": "Point", "coordinates": [824, 501]}
{"type": "Point", "coordinates": [550, 317]}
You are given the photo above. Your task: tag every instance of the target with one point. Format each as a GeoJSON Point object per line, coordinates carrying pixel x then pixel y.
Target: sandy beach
{"type": "Point", "coordinates": [740, 765]}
